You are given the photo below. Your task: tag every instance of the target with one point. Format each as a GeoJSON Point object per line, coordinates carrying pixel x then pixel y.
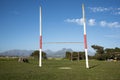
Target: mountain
{"type": "Point", "coordinates": [59, 53]}
{"type": "Point", "coordinates": [50, 53]}
{"type": "Point", "coordinates": [20, 53]}
{"type": "Point", "coordinates": [16, 53]}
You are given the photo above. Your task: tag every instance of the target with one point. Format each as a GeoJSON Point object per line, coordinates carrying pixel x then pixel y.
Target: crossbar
{"type": "Point", "coordinates": [62, 42]}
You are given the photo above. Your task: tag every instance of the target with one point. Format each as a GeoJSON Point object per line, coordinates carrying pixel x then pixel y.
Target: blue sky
{"type": "Point", "coordinates": [62, 21]}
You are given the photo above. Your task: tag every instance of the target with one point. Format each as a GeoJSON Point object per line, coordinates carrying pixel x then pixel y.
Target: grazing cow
{"type": "Point", "coordinates": [21, 59]}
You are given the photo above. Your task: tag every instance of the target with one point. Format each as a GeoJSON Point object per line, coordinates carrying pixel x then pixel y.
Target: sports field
{"type": "Point", "coordinates": [11, 69]}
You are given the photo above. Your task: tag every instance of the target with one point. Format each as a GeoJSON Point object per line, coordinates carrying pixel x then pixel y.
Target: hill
{"type": "Point", "coordinates": [16, 52]}
{"type": "Point", "coordinates": [59, 53]}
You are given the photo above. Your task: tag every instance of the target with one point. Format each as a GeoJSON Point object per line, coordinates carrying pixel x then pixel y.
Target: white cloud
{"type": "Point", "coordinates": [91, 22]}
{"type": "Point", "coordinates": [114, 24]}
{"type": "Point", "coordinates": [117, 13]}
{"type": "Point", "coordinates": [99, 9]}
{"type": "Point", "coordinates": [77, 21]}
{"type": "Point", "coordinates": [112, 10]}
{"type": "Point", "coordinates": [110, 24]}
{"type": "Point", "coordinates": [118, 8]}
{"type": "Point", "coordinates": [103, 23]}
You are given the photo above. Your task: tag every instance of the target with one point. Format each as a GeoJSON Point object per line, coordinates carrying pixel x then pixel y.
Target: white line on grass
{"type": "Point", "coordinates": [65, 68]}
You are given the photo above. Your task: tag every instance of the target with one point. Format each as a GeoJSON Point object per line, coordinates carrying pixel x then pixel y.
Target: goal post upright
{"type": "Point", "coordinates": [40, 48]}
{"type": "Point", "coordinates": [85, 37]}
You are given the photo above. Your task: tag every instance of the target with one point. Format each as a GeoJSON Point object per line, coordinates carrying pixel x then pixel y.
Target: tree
{"type": "Point", "coordinates": [68, 55]}
{"type": "Point", "coordinates": [82, 55]}
{"type": "Point", "coordinates": [99, 49]}
{"type": "Point", "coordinates": [99, 52]}
{"type": "Point", "coordinates": [110, 53]}
{"type": "Point", "coordinates": [36, 54]}
{"type": "Point", "coordinates": [75, 55]}
{"type": "Point", "coordinates": [113, 53]}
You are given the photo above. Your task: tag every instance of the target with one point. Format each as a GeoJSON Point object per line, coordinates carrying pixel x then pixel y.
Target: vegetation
{"type": "Point", "coordinates": [113, 53]}
{"type": "Point", "coordinates": [101, 54]}
{"type": "Point", "coordinates": [100, 70]}
{"type": "Point", "coordinates": [108, 53]}
{"type": "Point", "coordinates": [35, 54]}
{"type": "Point", "coordinates": [75, 55]}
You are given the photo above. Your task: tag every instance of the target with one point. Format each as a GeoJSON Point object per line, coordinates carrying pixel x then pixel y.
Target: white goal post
{"type": "Point", "coordinates": [85, 39]}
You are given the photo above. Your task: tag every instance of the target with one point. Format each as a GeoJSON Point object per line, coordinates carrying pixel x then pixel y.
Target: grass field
{"type": "Point", "coordinates": [100, 70]}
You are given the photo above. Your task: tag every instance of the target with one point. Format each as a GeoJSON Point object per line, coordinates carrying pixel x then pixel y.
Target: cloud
{"type": "Point", "coordinates": [115, 11]}
{"type": "Point", "coordinates": [91, 22]}
{"type": "Point", "coordinates": [114, 24]}
{"type": "Point", "coordinates": [77, 21]}
{"type": "Point", "coordinates": [99, 9]}
{"type": "Point", "coordinates": [109, 24]}
{"type": "Point", "coordinates": [118, 8]}
{"type": "Point", "coordinates": [103, 23]}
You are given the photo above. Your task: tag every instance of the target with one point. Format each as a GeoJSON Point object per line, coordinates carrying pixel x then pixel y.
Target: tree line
{"type": "Point", "coordinates": [108, 53]}
{"type": "Point", "coordinates": [75, 55]}
{"type": "Point", "coordinates": [100, 54]}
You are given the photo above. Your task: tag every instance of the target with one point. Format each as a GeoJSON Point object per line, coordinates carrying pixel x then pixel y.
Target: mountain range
{"type": "Point", "coordinates": [50, 53]}
{"type": "Point", "coordinates": [20, 53]}
{"type": "Point", "coordinates": [16, 52]}
{"type": "Point", "coordinates": [59, 53]}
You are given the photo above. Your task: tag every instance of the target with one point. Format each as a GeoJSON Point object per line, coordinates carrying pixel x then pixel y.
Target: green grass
{"type": "Point", "coordinates": [10, 69]}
